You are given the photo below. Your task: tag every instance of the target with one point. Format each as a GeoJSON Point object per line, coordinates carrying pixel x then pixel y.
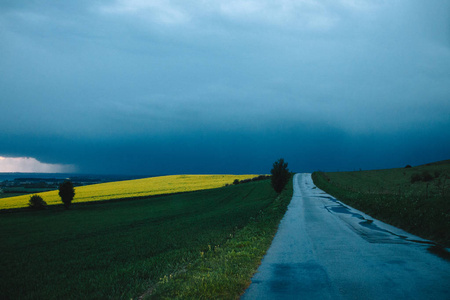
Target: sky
{"type": "Point", "coordinates": [175, 87]}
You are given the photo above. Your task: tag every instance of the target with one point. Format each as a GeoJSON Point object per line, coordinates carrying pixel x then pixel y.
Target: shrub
{"type": "Point", "coordinates": [426, 176]}
{"type": "Point", "coordinates": [36, 202]}
{"type": "Point", "coordinates": [415, 177]}
{"type": "Point", "coordinates": [258, 178]}
{"type": "Point", "coordinates": [66, 192]}
{"type": "Point", "coordinates": [280, 175]}
{"type": "Point", "coordinates": [408, 166]}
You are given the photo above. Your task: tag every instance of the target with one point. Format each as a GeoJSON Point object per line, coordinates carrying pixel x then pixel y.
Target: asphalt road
{"type": "Point", "coordinates": [326, 250]}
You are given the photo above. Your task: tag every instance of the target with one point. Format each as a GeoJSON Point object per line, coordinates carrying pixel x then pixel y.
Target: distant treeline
{"type": "Point", "coordinates": [36, 179]}
{"type": "Point", "coordinates": [28, 185]}
{"type": "Point", "coordinates": [82, 179]}
{"type": "Point", "coordinates": [257, 178]}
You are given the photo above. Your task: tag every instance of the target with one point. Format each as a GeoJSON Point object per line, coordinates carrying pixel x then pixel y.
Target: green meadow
{"type": "Point", "coordinates": [204, 244]}
{"type": "Point", "coordinates": [416, 199]}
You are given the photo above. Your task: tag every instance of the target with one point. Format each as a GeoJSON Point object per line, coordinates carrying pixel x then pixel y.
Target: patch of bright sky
{"type": "Point", "coordinates": [31, 165]}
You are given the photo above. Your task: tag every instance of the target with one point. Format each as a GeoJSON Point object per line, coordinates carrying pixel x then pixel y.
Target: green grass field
{"type": "Point", "coordinates": [415, 199]}
{"type": "Point", "coordinates": [203, 244]}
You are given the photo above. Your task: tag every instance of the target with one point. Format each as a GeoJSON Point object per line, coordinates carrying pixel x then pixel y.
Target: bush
{"type": "Point", "coordinates": [258, 178]}
{"type": "Point", "coordinates": [426, 176]}
{"type": "Point", "coordinates": [280, 175]}
{"type": "Point", "coordinates": [36, 202]}
{"type": "Point", "coordinates": [415, 177]}
{"type": "Point", "coordinates": [66, 192]}
{"type": "Point", "coordinates": [408, 166]}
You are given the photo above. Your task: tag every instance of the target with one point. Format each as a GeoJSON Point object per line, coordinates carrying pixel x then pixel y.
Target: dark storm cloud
{"type": "Point", "coordinates": [169, 87]}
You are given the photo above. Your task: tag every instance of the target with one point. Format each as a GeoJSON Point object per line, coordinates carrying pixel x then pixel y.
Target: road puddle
{"type": "Point", "coordinates": [372, 233]}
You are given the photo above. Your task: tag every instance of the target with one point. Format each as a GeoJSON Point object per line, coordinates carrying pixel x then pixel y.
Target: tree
{"type": "Point", "coordinates": [36, 202]}
{"type": "Point", "coordinates": [66, 192]}
{"type": "Point", "coordinates": [280, 175]}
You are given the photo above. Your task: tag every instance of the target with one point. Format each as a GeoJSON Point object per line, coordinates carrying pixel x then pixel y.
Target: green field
{"type": "Point", "coordinates": [203, 244]}
{"type": "Point", "coordinates": [415, 199]}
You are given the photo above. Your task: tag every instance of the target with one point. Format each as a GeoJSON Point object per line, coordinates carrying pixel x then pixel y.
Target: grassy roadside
{"type": "Point", "coordinates": [128, 249]}
{"type": "Point", "coordinates": [415, 199]}
{"type": "Point", "coordinates": [223, 271]}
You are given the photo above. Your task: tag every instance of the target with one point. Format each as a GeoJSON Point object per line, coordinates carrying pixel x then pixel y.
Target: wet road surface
{"type": "Point", "coordinates": [326, 250]}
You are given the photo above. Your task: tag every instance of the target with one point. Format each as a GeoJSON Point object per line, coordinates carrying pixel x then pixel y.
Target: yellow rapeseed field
{"type": "Point", "coordinates": [131, 188]}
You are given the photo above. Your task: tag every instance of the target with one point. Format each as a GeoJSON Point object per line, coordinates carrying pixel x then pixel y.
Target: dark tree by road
{"type": "Point", "coordinates": [66, 192]}
{"type": "Point", "coordinates": [280, 175]}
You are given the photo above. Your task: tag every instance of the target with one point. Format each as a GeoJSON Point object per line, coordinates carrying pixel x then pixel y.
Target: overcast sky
{"type": "Point", "coordinates": [164, 87]}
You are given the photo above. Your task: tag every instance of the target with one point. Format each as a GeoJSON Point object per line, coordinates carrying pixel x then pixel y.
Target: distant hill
{"type": "Point", "coordinates": [442, 162]}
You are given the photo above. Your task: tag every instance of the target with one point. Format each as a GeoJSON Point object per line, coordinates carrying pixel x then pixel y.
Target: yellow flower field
{"type": "Point", "coordinates": [131, 188]}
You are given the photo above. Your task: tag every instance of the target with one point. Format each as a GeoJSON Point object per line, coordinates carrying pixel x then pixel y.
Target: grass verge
{"type": "Point", "coordinates": [223, 271]}
{"type": "Point", "coordinates": [148, 247]}
{"type": "Point", "coordinates": [415, 199]}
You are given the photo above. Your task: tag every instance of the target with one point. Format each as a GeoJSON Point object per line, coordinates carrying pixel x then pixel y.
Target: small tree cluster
{"type": "Point", "coordinates": [66, 192]}
{"type": "Point", "coordinates": [280, 175]}
{"type": "Point", "coordinates": [36, 202]}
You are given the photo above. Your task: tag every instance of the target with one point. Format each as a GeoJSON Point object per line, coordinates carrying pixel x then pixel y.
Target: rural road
{"type": "Point", "coordinates": [326, 250]}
